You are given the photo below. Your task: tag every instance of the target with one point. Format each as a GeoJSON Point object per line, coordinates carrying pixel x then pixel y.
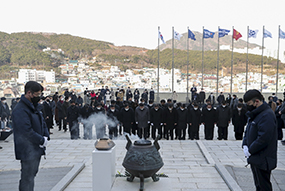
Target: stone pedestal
{"type": "Point", "coordinates": [103, 170]}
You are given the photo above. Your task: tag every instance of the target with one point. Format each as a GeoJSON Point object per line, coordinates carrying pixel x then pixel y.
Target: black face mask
{"type": "Point", "coordinates": [35, 100]}
{"type": "Point", "coordinates": [250, 107]}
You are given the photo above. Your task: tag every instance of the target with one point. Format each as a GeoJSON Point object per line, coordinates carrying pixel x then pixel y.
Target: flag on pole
{"type": "Point", "coordinates": [252, 33]}
{"type": "Point", "coordinates": [223, 32]}
{"type": "Point", "coordinates": [161, 37]}
{"type": "Point", "coordinates": [208, 34]}
{"type": "Point", "coordinates": [236, 35]}
{"type": "Point", "coordinates": [191, 35]}
{"type": "Point", "coordinates": [177, 35]}
{"type": "Point", "coordinates": [281, 34]}
{"type": "Point", "coordinates": [267, 34]}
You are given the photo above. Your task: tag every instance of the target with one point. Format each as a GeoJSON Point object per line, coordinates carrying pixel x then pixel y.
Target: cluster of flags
{"type": "Point", "coordinates": [222, 33]}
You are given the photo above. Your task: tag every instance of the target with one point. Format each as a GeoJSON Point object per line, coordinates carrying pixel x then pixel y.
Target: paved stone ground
{"type": "Point", "coordinates": [43, 181]}
{"type": "Point", "coordinates": [190, 165]}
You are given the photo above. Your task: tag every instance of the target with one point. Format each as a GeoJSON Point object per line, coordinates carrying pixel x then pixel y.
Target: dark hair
{"type": "Point", "coordinates": [33, 87]}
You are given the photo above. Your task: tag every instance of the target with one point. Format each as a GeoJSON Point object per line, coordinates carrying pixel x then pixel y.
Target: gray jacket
{"type": "Point", "coordinates": [142, 117]}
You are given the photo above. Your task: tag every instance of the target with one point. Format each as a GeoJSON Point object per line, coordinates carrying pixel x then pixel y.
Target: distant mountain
{"type": "Point", "coordinates": [209, 43]}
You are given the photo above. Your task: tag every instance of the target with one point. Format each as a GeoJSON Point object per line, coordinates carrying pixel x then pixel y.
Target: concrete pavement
{"type": "Point", "coordinates": [190, 165]}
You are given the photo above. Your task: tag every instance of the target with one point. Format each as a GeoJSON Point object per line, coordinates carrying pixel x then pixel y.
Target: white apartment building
{"type": "Point", "coordinates": [25, 75]}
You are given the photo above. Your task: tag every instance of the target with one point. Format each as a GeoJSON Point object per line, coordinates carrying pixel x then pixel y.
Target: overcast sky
{"type": "Point", "coordinates": [135, 23]}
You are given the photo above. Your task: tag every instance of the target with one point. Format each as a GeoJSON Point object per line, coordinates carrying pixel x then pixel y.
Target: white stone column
{"type": "Point", "coordinates": [103, 170]}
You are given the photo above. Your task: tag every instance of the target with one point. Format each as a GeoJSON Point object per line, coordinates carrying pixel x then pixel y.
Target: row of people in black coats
{"type": "Point", "coordinates": [164, 119]}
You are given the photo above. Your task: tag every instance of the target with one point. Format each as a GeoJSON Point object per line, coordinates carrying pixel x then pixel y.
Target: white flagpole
{"type": "Point", "coordinates": [232, 62]}
{"type": "Point", "coordinates": [157, 98]}
{"type": "Point", "coordinates": [246, 73]}
{"type": "Point", "coordinates": [277, 60]}
{"type": "Point", "coordinates": [218, 61]}
{"type": "Point", "coordinates": [172, 59]}
{"type": "Point", "coordinates": [261, 77]}
{"type": "Point", "coordinates": [203, 59]}
{"type": "Point", "coordinates": [187, 98]}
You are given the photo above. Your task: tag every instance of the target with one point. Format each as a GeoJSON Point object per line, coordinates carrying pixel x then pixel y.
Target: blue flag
{"type": "Point", "coordinates": [191, 35]}
{"type": "Point", "coordinates": [267, 34]}
{"type": "Point", "coordinates": [208, 34]}
{"type": "Point", "coordinates": [252, 33]}
{"type": "Point", "coordinates": [223, 32]}
{"type": "Point", "coordinates": [281, 34]}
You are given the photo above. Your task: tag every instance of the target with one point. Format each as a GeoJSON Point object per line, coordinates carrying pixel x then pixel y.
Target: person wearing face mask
{"type": "Point", "coordinates": [127, 118]}
{"type": "Point", "coordinates": [260, 139]}
{"type": "Point", "coordinates": [209, 119]}
{"type": "Point", "coordinates": [170, 120]}
{"type": "Point", "coordinates": [224, 119]}
{"type": "Point", "coordinates": [30, 134]}
{"type": "Point", "coordinates": [239, 121]}
{"type": "Point", "coordinates": [142, 119]}
{"type": "Point", "coordinates": [182, 120]}
{"type": "Point", "coordinates": [194, 117]}
{"type": "Point", "coordinates": [280, 122]}
{"type": "Point", "coordinates": [72, 120]}
{"type": "Point", "coordinates": [113, 116]}
{"type": "Point", "coordinates": [156, 117]}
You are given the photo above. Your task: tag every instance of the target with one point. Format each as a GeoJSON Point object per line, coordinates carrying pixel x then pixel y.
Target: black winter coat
{"type": "Point", "coordinates": [72, 114]}
{"type": "Point", "coordinates": [29, 130]}
{"type": "Point", "coordinates": [127, 118]}
{"type": "Point", "coordinates": [156, 117]}
{"type": "Point", "coordinates": [194, 117]}
{"type": "Point", "coordinates": [209, 117]}
{"type": "Point", "coordinates": [48, 114]}
{"type": "Point", "coordinates": [170, 117]}
{"type": "Point", "coordinates": [85, 112]}
{"type": "Point", "coordinates": [224, 116]}
{"type": "Point", "coordinates": [261, 137]}
{"type": "Point", "coordinates": [4, 110]}
{"type": "Point", "coordinates": [182, 118]}
{"type": "Point", "coordinates": [239, 120]}
{"type": "Point", "coordinates": [114, 116]}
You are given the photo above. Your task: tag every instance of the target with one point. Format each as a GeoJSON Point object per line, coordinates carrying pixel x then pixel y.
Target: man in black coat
{"type": "Point", "coordinates": [48, 114]}
{"type": "Point", "coordinates": [193, 90]}
{"type": "Point", "coordinates": [211, 97]}
{"type": "Point", "coordinates": [209, 119]}
{"type": "Point", "coordinates": [260, 139]}
{"type": "Point", "coordinates": [239, 121]}
{"type": "Point", "coordinates": [30, 134]}
{"type": "Point", "coordinates": [127, 118]}
{"type": "Point", "coordinates": [182, 120]}
{"type": "Point", "coordinates": [112, 121]}
{"type": "Point", "coordinates": [221, 98]}
{"type": "Point", "coordinates": [72, 120]}
{"type": "Point", "coordinates": [224, 119]}
{"type": "Point", "coordinates": [156, 120]}
{"type": "Point", "coordinates": [194, 117]}
{"type": "Point", "coordinates": [4, 111]}
{"type": "Point", "coordinates": [65, 106]}
{"type": "Point", "coordinates": [170, 120]}
{"type": "Point", "coordinates": [202, 96]}
{"type": "Point", "coordinates": [85, 113]}
{"type": "Point", "coordinates": [280, 122]}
